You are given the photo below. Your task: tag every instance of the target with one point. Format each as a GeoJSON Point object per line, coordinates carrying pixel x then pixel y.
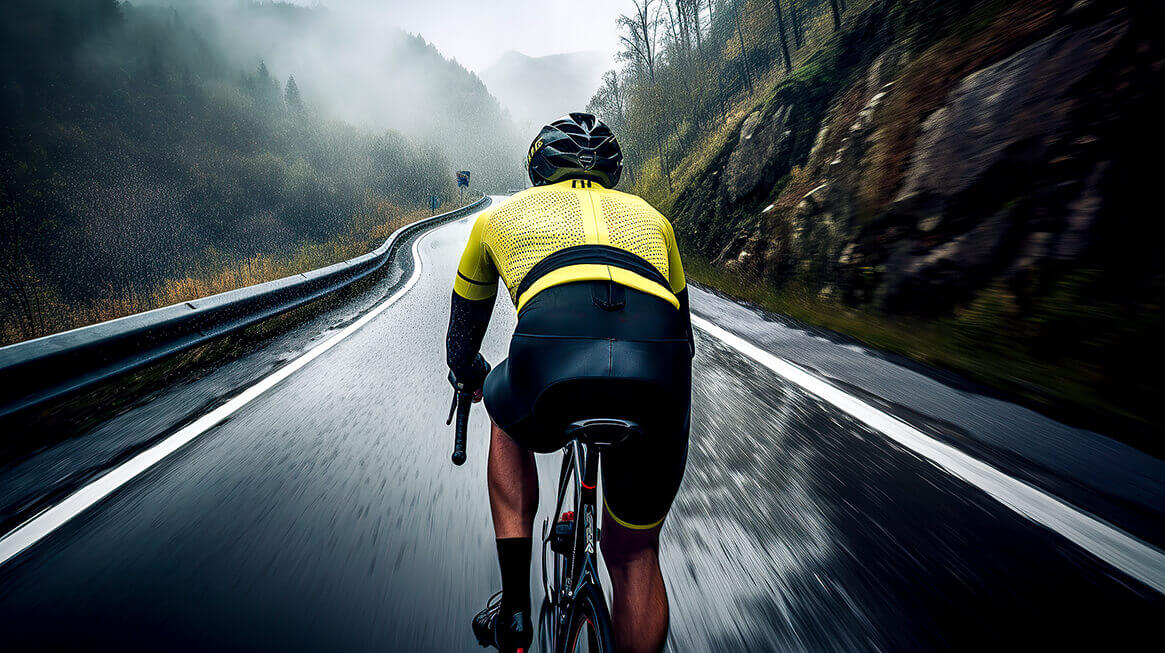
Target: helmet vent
{"type": "Point", "coordinates": [576, 146]}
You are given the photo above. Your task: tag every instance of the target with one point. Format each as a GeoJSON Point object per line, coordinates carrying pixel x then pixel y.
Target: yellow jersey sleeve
{"type": "Point", "coordinates": [675, 269]}
{"type": "Point", "coordinates": [477, 276]}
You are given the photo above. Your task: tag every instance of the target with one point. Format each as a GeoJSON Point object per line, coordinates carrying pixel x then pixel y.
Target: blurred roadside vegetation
{"type": "Point", "coordinates": [218, 272]}
{"type": "Point", "coordinates": [140, 167]}
{"type": "Point", "coordinates": [979, 343]}
{"type": "Point", "coordinates": [970, 183]}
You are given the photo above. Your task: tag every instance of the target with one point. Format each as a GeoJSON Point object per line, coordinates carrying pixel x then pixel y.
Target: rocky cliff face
{"type": "Point", "coordinates": [979, 176]}
{"type": "Point", "coordinates": [1003, 174]}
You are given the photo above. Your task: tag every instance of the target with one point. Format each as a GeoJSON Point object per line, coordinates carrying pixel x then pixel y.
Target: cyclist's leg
{"type": "Point", "coordinates": [639, 599]}
{"type": "Point", "coordinates": [513, 499]}
{"type": "Point", "coordinates": [513, 486]}
{"type": "Point", "coordinates": [640, 481]}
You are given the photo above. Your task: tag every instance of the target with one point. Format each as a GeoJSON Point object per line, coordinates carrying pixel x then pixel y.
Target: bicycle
{"type": "Point", "coordinates": [574, 615]}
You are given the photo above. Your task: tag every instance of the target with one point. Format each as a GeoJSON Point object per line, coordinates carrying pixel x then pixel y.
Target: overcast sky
{"type": "Point", "coordinates": [477, 32]}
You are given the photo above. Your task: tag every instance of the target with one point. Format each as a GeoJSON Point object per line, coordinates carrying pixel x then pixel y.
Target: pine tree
{"type": "Point", "coordinates": [266, 88]}
{"type": "Point", "coordinates": [291, 95]}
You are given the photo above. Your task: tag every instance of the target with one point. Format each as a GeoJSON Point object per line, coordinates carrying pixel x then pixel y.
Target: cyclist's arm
{"type": "Point", "coordinates": [679, 285]}
{"type": "Point", "coordinates": [474, 292]}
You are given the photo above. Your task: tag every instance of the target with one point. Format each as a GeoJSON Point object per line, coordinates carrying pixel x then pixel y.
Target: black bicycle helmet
{"type": "Point", "coordinates": [576, 146]}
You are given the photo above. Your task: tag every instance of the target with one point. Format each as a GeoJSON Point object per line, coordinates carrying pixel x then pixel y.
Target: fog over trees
{"type": "Point", "coordinates": [147, 141]}
{"type": "Point", "coordinates": [358, 67]}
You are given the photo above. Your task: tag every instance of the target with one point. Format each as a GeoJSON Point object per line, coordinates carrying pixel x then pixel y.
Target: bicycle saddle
{"type": "Point", "coordinates": [602, 431]}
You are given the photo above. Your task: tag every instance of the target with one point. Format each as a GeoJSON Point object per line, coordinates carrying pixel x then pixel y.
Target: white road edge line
{"type": "Point", "coordinates": [40, 526]}
{"type": "Point", "coordinates": [1130, 555]}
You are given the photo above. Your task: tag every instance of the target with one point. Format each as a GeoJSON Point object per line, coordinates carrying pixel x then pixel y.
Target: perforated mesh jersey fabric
{"type": "Point", "coordinates": [531, 227]}
{"type": "Point", "coordinates": [636, 227]}
{"type": "Point", "coordinates": [511, 239]}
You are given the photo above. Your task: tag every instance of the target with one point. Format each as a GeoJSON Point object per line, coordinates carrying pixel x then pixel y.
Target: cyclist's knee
{"type": "Point", "coordinates": [624, 547]}
{"type": "Point", "coordinates": [505, 447]}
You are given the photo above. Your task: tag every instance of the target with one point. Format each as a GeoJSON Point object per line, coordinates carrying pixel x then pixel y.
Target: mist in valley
{"type": "Point", "coordinates": [354, 64]}
{"type": "Point", "coordinates": [156, 152]}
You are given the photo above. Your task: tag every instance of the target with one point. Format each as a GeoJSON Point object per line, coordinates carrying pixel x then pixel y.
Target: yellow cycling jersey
{"type": "Point", "coordinates": [586, 230]}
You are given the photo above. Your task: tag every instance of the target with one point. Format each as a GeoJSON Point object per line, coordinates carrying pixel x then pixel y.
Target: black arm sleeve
{"type": "Point", "coordinates": [468, 320]}
{"type": "Point", "coordinates": [682, 296]}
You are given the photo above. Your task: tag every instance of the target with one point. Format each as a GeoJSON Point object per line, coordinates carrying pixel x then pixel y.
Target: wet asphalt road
{"type": "Point", "coordinates": [326, 514]}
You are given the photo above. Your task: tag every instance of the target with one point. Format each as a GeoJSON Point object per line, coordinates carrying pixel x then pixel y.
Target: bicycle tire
{"type": "Point", "coordinates": [589, 614]}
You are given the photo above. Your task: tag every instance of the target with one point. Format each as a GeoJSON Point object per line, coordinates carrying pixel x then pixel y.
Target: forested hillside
{"type": "Point", "coordinates": [358, 67]}
{"type": "Point", "coordinates": [968, 182]}
{"type": "Point", "coordinates": [143, 160]}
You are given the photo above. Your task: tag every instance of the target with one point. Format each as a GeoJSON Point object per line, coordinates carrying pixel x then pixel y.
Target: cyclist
{"type": "Point", "coordinates": [596, 278]}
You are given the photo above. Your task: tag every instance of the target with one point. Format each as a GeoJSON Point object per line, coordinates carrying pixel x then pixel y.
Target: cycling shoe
{"type": "Point", "coordinates": [513, 632]}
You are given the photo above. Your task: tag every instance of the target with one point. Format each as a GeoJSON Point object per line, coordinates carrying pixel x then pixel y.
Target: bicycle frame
{"type": "Point", "coordinates": [574, 600]}
{"type": "Point", "coordinates": [576, 595]}
{"type": "Point", "coordinates": [579, 477]}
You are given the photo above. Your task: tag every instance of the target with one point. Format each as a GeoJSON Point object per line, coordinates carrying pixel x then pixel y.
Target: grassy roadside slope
{"type": "Point", "coordinates": [1068, 346]}
{"type": "Point", "coordinates": [372, 225]}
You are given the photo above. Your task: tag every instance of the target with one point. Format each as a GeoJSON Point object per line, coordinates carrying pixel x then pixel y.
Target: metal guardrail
{"type": "Point", "coordinates": [36, 371]}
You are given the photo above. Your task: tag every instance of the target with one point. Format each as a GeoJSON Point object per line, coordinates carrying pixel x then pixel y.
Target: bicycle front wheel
{"type": "Point", "coordinates": [590, 624]}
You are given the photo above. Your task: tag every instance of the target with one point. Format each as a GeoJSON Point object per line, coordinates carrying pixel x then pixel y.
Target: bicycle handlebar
{"type": "Point", "coordinates": [462, 401]}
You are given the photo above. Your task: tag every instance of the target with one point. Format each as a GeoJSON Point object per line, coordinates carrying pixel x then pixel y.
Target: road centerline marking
{"type": "Point", "coordinates": [1134, 557]}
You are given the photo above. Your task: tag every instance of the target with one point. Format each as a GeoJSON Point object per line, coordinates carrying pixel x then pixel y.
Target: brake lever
{"type": "Point", "coordinates": [452, 408]}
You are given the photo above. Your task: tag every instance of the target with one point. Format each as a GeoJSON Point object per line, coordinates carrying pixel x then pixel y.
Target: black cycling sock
{"type": "Point", "coordinates": [514, 559]}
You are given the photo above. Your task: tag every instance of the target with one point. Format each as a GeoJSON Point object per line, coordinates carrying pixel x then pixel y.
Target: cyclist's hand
{"type": "Point", "coordinates": [481, 370]}
{"type": "Point", "coordinates": [472, 379]}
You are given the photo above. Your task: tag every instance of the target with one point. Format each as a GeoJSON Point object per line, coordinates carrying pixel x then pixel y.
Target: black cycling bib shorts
{"type": "Point", "coordinates": [598, 349]}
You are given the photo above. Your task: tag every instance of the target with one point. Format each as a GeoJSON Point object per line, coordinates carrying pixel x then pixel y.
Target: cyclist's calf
{"type": "Point", "coordinates": [513, 486]}
{"type": "Point", "coordinates": [639, 610]}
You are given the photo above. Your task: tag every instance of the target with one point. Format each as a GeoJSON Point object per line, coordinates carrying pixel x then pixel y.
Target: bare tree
{"type": "Point", "coordinates": [678, 31]}
{"type": "Point", "coordinates": [678, 27]}
{"type": "Point", "coordinates": [639, 41]}
{"type": "Point", "coordinates": [640, 48]}
{"type": "Point", "coordinates": [743, 51]}
{"type": "Point", "coordinates": [781, 32]}
{"type": "Point", "coordinates": [795, 8]}
{"type": "Point", "coordinates": [608, 102]}
{"type": "Point", "coordinates": [694, 7]}
{"type": "Point", "coordinates": [685, 60]}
